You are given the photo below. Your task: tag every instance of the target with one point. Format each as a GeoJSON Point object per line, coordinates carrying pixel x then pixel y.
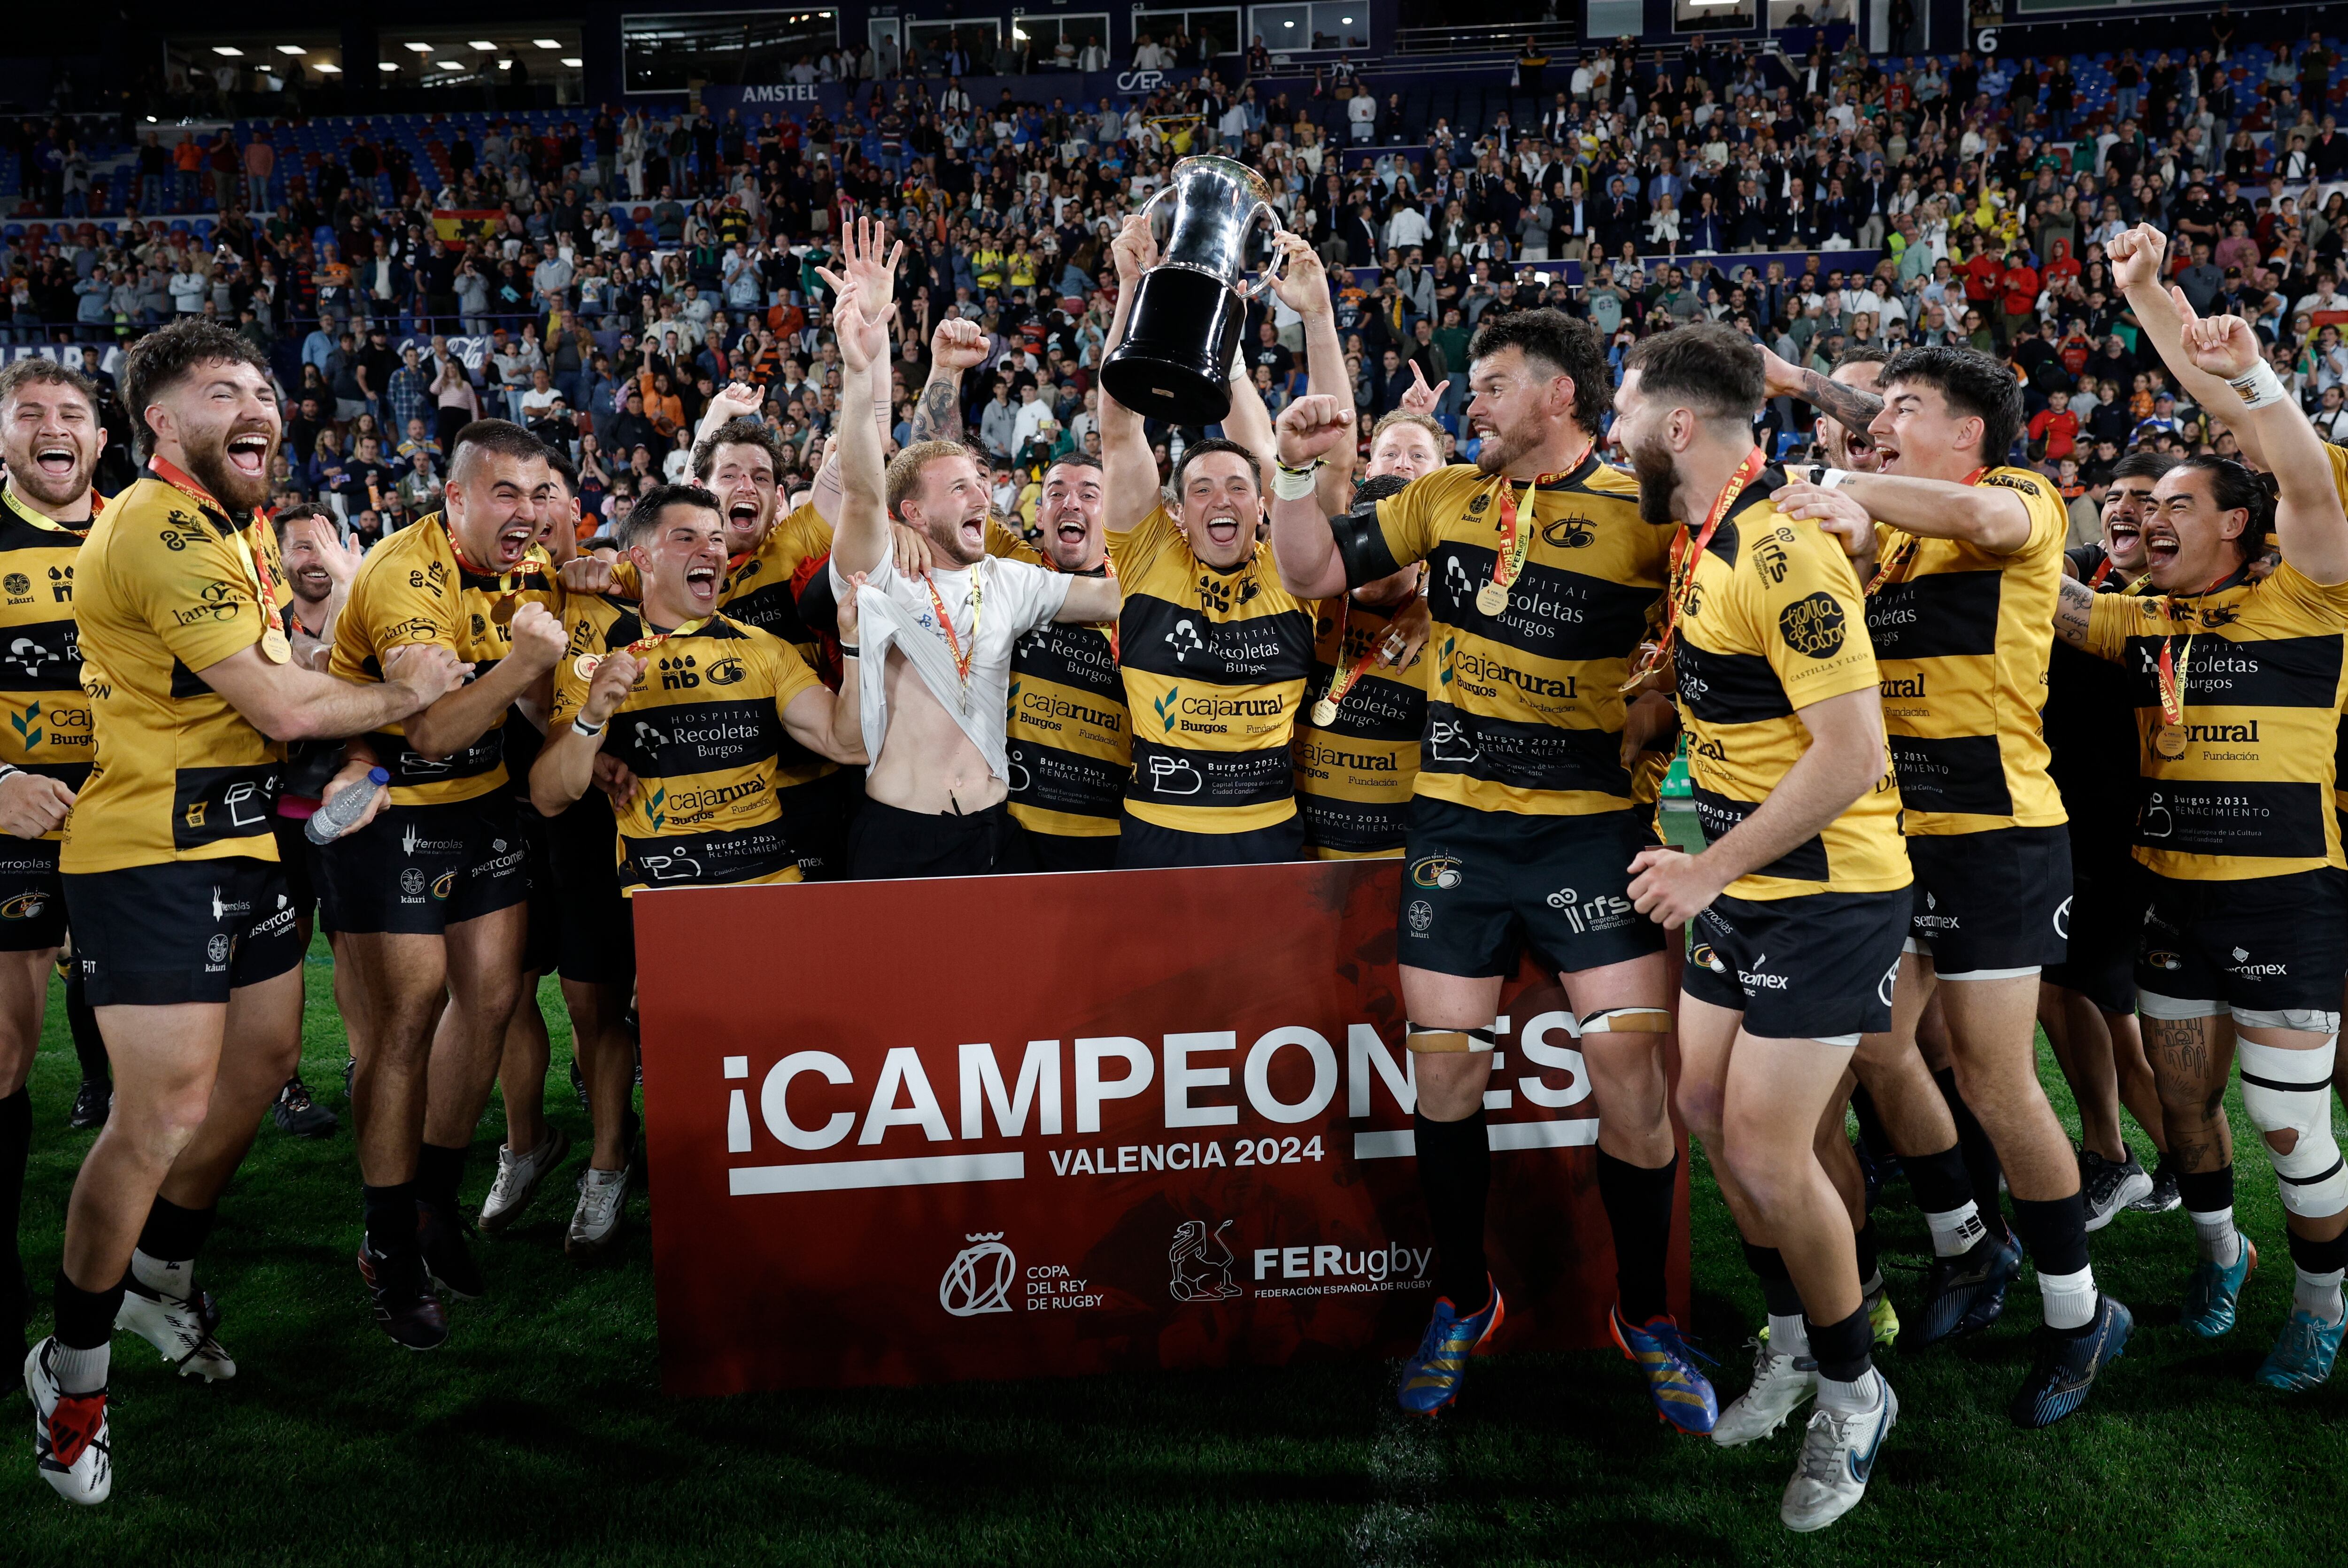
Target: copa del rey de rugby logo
{"type": "Point", "coordinates": [979, 1279]}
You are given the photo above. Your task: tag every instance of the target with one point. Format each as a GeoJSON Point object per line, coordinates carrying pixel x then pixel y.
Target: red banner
{"type": "Point", "coordinates": [1009, 1127]}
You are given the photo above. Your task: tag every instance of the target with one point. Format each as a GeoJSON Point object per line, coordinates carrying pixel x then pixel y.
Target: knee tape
{"type": "Point", "coordinates": [2290, 1091]}
{"type": "Point", "coordinates": [2304, 1020]}
{"type": "Point", "coordinates": [2153, 1004]}
{"type": "Point", "coordinates": [1627, 1021]}
{"type": "Point", "coordinates": [1425, 1040]}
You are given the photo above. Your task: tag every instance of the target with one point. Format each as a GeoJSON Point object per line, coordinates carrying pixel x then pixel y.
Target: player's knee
{"type": "Point", "coordinates": [1699, 1105]}
{"type": "Point", "coordinates": [2288, 1095]}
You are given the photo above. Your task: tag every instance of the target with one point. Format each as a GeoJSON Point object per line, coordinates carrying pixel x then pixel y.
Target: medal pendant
{"type": "Point", "coordinates": [2169, 741]}
{"type": "Point", "coordinates": [1491, 599]}
{"type": "Point", "coordinates": [275, 647]}
{"type": "Point", "coordinates": [585, 666]}
{"type": "Point", "coordinates": [1324, 712]}
{"type": "Point", "coordinates": [502, 613]}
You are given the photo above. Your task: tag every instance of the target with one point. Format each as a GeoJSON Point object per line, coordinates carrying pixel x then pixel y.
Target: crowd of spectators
{"type": "Point", "coordinates": [634, 262]}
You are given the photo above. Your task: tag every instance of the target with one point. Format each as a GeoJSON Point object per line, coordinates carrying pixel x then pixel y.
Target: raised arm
{"type": "Point", "coordinates": [1854, 405]}
{"type": "Point", "coordinates": [957, 347]}
{"type": "Point", "coordinates": [861, 539]}
{"type": "Point", "coordinates": [824, 721]}
{"type": "Point", "coordinates": [2164, 316]}
{"type": "Point", "coordinates": [2310, 524]}
{"type": "Point", "coordinates": [1303, 287]}
{"type": "Point", "coordinates": [1129, 472]}
{"type": "Point", "coordinates": [1303, 544]}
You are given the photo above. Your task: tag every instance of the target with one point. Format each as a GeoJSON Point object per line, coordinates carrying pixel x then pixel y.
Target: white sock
{"type": "Point", "coordinates": [164, 1279]}
{"type": "Point", "coordinates": [1862, 1394]}
{"type": "Point", "coordinates": [1788, 1335]}
{"type": "Point", "coordinates": [2069, 1299]}
{"type": "Point", "coordinates": [2317, 1295]}
{"type": "Point", "coordinates": [79, 1371]}
{"type": "Point", "coordinates": [1955, 1231]}
{"type": "Point", "coordinates": [2216, 1238]}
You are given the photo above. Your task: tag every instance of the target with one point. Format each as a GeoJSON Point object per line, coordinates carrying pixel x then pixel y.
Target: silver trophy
{"type": "Point", "coordinates": [1188, 310]}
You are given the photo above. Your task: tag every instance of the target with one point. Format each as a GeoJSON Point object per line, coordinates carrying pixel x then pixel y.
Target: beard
{"type": "Point", "coordinates": [1501, 447]}
{"type": "Point", "coordinates": [945, 538]}
{"type": "Point", "coordinates": [209, 466]}
{"type": "Point", "coordinates": [1657, 480]}
{"type": "Point", "coordinates": [33, 480]}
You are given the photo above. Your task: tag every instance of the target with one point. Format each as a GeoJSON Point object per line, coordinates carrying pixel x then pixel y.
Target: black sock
{"type": "Point", "coordinates": [86, 1318]}
{"type": "Point", "coordinates": [1455, 1173]}
{"type": "Point", "coordinates": [2319, 1257]}
{"type": "Point", "coordinates": [439, 1171]}
{"type": "Point", "coordinates": [89, 1045]}
{"type": "Point", "coordinates": [1844, 1350]}
{"type": "Point", "coordinates": [1777, 1292]}
{"type": "Point", "coordinates": [1939, 1181]}
{"type": "Point", "coordinates": [390, 1217]}
{"type": "Point", "coordinates": [1869, 1259]}
{"type": "Point", "coordinates": [1639, 1212]}
{"type": "Point", "coordinates": [15, 1148]}
{"type": "Point", "coordinates": [2054, 1232]}
{"type": "Point", "coordinates": [2207, 1191]}
{"type": "Point", "coordinates": [1980, 1154]}
{"type": "Point", "coordinates": [173, 1235]}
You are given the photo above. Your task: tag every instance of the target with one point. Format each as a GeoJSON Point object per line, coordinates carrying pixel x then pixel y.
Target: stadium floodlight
{"type": "Point", "coordinates": [232, 52]}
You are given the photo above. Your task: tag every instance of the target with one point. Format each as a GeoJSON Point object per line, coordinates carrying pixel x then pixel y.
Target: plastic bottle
{"type": "Point", "coordinates": [332, 819]}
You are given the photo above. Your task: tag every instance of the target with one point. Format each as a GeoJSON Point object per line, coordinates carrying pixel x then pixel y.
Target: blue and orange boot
{"type": "Point", "coordinates": [1431, 1377]}
{"type": "Point", "coordinates": [1683, 1395]}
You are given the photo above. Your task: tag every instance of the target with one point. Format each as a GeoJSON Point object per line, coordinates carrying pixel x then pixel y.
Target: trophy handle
{"type": "Point", "coordinates": [1253, 293]}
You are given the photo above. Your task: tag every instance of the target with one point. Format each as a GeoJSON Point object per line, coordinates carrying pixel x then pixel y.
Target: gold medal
{"type": "Point", "coordinates": [585, 666]}
{"type": "Point", "coordinates": [1324, 712]}
{"type": "Point", "coordinates": [1491, 599]}
{"type": "Point", "coordinates": [275, 647]}
{"type": "Point", "coordinates": [2168, 740]}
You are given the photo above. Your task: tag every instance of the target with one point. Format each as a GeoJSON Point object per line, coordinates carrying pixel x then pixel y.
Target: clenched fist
{"type": "Point", "coordinates": [426, 671]}
{"type": "Point", "coordinates": [1314, 426]}
{"type": "Point", "coordinates": [538, 638]}
{"type": "Point", "coordinates": [957, 345]}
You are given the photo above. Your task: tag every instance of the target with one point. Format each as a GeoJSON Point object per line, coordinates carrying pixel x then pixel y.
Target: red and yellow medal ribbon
{"type": "Point", "coordinates": [1685, 554]}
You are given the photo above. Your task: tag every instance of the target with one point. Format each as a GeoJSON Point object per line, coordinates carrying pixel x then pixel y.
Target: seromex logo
{"type": "Point", "coordinates": [979, 1279]}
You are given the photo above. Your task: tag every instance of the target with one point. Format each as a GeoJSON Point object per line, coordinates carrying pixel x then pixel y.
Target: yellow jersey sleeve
{"type": "Point", "coordinates": [2339, 457]}
{"type": "Point", "coordinates": [1408, 518]}
{"type": "Point", "coordinates": [1810, 618]}
{"type": "Point", "coordinates": [2050, 516]}
{"type": "Point", "coordinates": [791, 673]}
{"type": "Point", "coordinates": [195, 588]}
{"type": "Point", "coordinates": [590, 619]}
{"type": "Point", "coordinates": [390, 609]}
{"type": "Point", "coordinates": [1138, 550]}
{"type": "Point", "coordinates": [2112, 619]}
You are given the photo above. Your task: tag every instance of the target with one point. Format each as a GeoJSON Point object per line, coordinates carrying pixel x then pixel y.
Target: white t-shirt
{"type": "Point", "coordinates": [897, 611]}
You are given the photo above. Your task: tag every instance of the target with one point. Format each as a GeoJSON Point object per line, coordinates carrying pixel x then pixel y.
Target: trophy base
{"type": "Point", "coordinates": [1180, 336]}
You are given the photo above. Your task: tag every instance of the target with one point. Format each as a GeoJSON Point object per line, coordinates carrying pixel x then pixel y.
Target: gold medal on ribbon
{"type": "Point", "coordinates": [1491, 599]}
{"type": "Point", "coordinates": [2168, 740]}
{"type": "Point", "coordinates": [274, 646]}
{"type": "Point", "coordinates": [585, 666]}
{"type": "Point", "coordinates": [1324, 712]}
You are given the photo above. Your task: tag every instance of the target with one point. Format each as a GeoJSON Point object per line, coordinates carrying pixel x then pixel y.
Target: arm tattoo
{"type": "Point", "coordinates": [1853, 405]}
{"type": "Point", "coordinates": [2073, 607]}
{"type": "Point", "coordinates": [938, 415]}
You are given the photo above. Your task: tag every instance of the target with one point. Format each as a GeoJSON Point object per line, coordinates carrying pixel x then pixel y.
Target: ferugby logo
{"type": "Point", "coordinates": [1812, 625]}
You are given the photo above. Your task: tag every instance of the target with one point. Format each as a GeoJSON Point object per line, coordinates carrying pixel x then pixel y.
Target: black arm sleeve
{"type": "Point", "coordinates": [1362, 545]}
{"type": "Point", "coordinates": [818, 605]}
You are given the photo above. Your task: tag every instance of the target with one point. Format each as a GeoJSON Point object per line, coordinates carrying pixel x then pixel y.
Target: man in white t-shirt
{"type": "Point", "coordinates": [936, 793]}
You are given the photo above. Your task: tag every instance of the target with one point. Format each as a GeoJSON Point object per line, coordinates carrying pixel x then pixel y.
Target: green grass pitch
{"type": "Point", "coordinates": [539, 1434]}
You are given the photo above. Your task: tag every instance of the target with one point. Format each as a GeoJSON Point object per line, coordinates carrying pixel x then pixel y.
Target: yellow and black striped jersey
{"type": "Point", "coordinates": [47, 729]}
{"type": "Point", "coordinates": [703, 733]}
{"type": "Point", "coordinates": [412, 589]}
{"type": "Point", "coordinates": [2339, 456]}
{"type": "Point", "coordinates": [1775, 623]}
{"type": "Point", "coordinates": [761, 590]}
{"type": "Point", "coordinates": [1963, 636]}
{"type": "Point", "coordinates": [1355, 774]}
{"type": "Point", "coordinates": [1068, 738]}
{"type": "Point", "coordinates": [1214, 666]}
{"type": "Point", "coordinates": [168, 585]}
{"type": "Point", "coordinates": [1524, 709]}
{"type": "Point", "coordinates": [2252, 795]}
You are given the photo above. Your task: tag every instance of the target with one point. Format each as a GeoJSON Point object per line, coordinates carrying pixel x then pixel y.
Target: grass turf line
{"type": "Point", "coordinates": [538, 1435]}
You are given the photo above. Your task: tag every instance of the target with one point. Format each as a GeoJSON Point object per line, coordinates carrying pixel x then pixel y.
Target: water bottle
{"type": "Point", "coordinates": [332, 819]}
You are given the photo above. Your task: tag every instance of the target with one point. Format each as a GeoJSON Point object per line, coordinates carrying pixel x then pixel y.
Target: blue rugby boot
{"type": "Point", "coordinates": [1431, 1378]}
{"type": "Point", "coordinates": [1683, 1395]}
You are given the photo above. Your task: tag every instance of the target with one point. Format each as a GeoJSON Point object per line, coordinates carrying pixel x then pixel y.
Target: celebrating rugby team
{"type": "Point", "coordinates": [459, 754]}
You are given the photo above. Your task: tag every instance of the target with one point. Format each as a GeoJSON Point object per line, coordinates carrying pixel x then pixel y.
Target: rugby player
{"type": "Point", "coordinates": [1962, 556]}
{"type": "Point", "coordinates": [430, 896]}
{"type": "Point", "coordinates": [50, 440]}
{"type": "Point", "coordinates": [937, 784]}
{"type": "Point", "coordinates": [1795, 904]}
{"type": "Point", "coordinates": [1521, 825]}
{"type": "Point", "coordinates": [1215, 648]}
{"type": "Point", "coordinates": [2237, 683]}
{"type": "Point", "coordinates": [185, 937]}
{"type": "Point", "coordinates": [2088, 1002]}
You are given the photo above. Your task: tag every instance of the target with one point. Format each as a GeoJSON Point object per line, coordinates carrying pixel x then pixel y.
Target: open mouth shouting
{"type": "Point", "coordinates": [701, 581]}
{"type": "Point", "coordinates": [2160, 547]}
{"type": "Point", "coordinates": [515, 538]}
{"type": "Point", "coordinates": [1886, 455]}
{"type": "Point", "coordinates": [248, 455]}
{"type": "Point", "coordinates": [57, 461]}
{"type": "Point", "coordinates": [742, 521]}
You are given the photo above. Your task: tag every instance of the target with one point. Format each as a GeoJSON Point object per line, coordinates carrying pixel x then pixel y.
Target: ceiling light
{"type": "Point", "coordinates": [225, 49]}
{"type": "Point", "coordinates": [448, 65]}
{"type": "Point", "coordinates": [291, 49]}
{"type": "Point", "coordinates": [504, 65]}
{"type": "Point", "coordinates": [573, 61]}
{"type": "Point", "coordinates": [421, 48]}
{"type": "Point", "coordinates": [547, 43]}
{"type": "Point", "coordinates": [479, 44]}
{"type": "Point", "coordinates": [386, 65]}
{"type": "Point", "coordinates": [323, 69]}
